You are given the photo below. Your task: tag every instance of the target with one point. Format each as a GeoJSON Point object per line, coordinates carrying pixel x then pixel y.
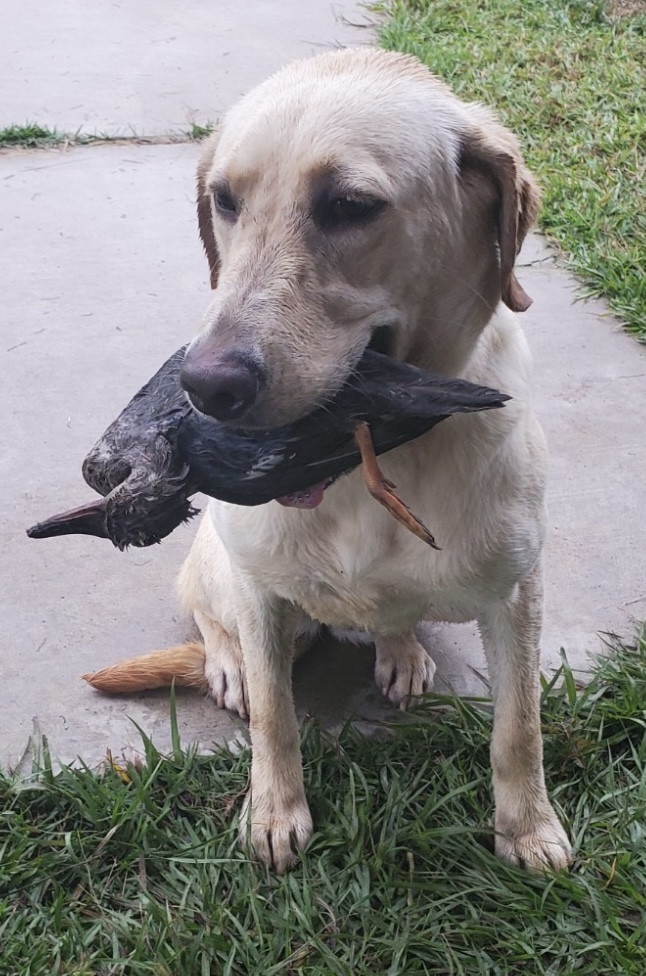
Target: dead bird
{"type": "Point", "coordinates": [160, 451]}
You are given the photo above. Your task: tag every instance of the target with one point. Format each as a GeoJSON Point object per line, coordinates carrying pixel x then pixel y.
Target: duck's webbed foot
{"type": "Point", "coordinates": [384, 491]}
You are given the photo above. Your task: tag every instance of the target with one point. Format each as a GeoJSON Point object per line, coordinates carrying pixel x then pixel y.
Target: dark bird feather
{"type": "Point", "coordinates": [160, 451]}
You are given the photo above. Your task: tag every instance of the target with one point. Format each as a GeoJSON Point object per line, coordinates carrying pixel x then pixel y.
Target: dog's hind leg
{"type": "Point", "coordinates": [528, 832]}
{"type": "Point", "coordinates": [223, 666]}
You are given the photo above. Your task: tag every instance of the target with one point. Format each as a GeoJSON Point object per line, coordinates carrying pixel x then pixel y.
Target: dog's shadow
{"type": "Point", "coordinates": [334, 683]}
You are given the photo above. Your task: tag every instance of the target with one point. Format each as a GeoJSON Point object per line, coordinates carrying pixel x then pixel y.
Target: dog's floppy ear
{"type": "Point", "coordinates": [205, 211]}
{"type": "Point", "coordinates": [494, 151]}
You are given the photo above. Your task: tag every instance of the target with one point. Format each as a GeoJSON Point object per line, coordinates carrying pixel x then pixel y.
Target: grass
{"type": "Point", "coordinates": [569, 79]}
{"type": "Point", "coordinates": [136, 870]}
{"type": "Point", "coordinates": [29, 136]}
{"type": "Point", "coordinates": [34, 136]}
{"type": "Point", "coordinates": [199, 132]}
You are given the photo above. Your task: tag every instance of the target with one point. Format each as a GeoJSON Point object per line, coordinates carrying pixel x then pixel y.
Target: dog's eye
{"type": "Point", "coordinates": [225, 203]}
{"type": "Point", "coordinates": [351, 210]}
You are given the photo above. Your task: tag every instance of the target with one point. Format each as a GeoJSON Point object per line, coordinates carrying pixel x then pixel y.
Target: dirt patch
{"type": "Point", "coordinates": [618, 9]}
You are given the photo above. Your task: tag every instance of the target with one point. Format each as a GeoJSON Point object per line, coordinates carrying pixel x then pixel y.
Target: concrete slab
{"type": "Point", "coordinates": [102, 277]}
{"type": "Point", "coordinates": [155, 66]}
{"type": "Point", "coordinates": [591, 398]}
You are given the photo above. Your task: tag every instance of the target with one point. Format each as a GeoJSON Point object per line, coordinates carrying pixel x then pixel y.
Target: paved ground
{"type": "Point", "coordinates": [155, 66]}
{"type": "Point", "coordinates": [103, 276]}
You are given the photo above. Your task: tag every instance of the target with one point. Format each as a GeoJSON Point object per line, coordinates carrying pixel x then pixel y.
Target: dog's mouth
{"type": "Point", "coordinates": [382, 342]}
{"type": "Point", "coordinates": [306, 497]}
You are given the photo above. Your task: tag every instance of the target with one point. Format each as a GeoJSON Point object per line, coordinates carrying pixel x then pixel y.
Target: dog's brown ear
{"type": "Point", "coordinates": [205, 211]}
{"type": "Point", "coordinates": [493, 150]}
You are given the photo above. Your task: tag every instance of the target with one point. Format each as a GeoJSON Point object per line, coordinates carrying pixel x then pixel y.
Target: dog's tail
{"type": "Point", "coordinates": [183, 664]}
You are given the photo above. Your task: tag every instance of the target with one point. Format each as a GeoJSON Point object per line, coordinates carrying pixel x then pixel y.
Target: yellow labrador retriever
{"type": "Point", "coordinates": [353, 200]}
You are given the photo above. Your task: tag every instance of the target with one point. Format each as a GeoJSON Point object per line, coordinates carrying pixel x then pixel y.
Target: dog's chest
{"type": "Point", "coordinates": [355, 579]}
{"type": "Point", "coordinates": [349, 587]}
{"type": "Point", "coordinates": [352, 566]}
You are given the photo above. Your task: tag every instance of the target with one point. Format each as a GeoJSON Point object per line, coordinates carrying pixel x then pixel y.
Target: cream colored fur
{"type": "Point", "coordinates": [436, 266]}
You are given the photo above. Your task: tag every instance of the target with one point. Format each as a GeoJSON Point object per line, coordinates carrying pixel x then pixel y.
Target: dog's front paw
{"type": "Point", "coordinates": [275, 833]}
{"type": "Point", "coordinates": [403, 669]}
{"type": "Point", "coordinates": [544, 847]}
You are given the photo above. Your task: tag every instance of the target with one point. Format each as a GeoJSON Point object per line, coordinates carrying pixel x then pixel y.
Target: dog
{"type": "Point", "coordinates": [352, 200]}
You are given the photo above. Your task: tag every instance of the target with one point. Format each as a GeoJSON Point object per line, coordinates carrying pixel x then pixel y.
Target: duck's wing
{"type": "Point", "coordinates": [387, 389]}
{"type": "Point", "coordinates": [397, 401]}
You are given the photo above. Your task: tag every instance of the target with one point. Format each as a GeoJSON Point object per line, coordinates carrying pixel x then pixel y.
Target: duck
{"type": "Point", "coordinates": [161, 451]}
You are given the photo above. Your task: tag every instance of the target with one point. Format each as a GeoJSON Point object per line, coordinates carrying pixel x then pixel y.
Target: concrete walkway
{"type": "Point", "coordinates": [103, 276]}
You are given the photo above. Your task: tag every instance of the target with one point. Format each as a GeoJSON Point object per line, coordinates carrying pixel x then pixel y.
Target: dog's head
{"type": "Point", "coordinates": [350, 200]}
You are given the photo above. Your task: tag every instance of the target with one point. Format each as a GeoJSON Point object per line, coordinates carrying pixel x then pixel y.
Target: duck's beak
{"type": "Point", "coordinates": [85, 520]}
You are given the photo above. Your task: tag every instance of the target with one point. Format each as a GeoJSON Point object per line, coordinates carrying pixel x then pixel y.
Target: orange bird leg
{"type": "Point", "coordinates": [383, 490]}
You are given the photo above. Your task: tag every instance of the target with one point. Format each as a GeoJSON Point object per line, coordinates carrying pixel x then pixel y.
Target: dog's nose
{"type": "Point", "coordinates": [223, 388]}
